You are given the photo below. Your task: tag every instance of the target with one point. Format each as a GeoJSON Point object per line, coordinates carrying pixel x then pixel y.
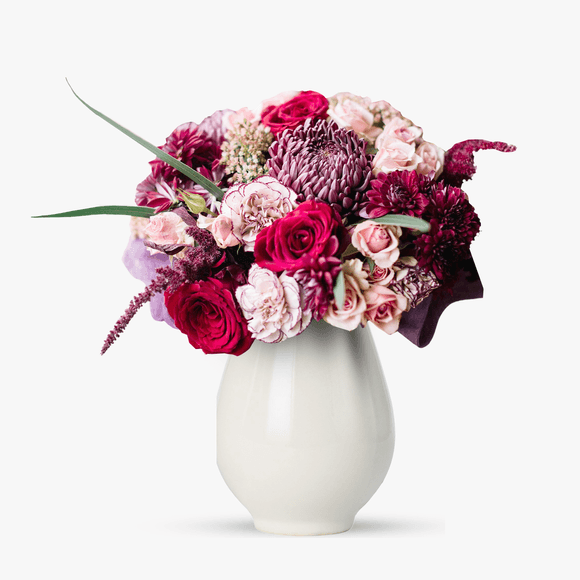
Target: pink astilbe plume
{"type": "Point", "coordinates": [196, 264]}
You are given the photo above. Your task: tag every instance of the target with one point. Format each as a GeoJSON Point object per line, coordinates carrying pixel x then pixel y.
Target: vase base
{"type": "Point", "coordinates": [303, 528]}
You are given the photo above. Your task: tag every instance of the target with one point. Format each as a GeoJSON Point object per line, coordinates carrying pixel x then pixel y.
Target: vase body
{"type": "Point", "coordinates": [305, 429]}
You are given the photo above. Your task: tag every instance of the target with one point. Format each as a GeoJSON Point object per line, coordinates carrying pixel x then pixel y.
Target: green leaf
{"type": "Point", "coordinates": [339, 291]}
{"type": "Point", "coordinates": [195, 203]}
{"type": "Point", "coordinates": [170, 160]}
{"type": "Point", "coordinates": [135, 211]}
{"type": "Point", "coordinates": [404, 221]}
{"type": "Point", "coordinates": [371, 264]}
{"type": "Point", "coordinates": [349, 251]}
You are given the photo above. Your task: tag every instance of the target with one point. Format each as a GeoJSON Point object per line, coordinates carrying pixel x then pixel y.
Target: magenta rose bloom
{"type": "Point", "coordinates": [288, 115]}
{"type": "Point", "coordinates": [207, 312]}
{"type": "Point", "coordinates": [299, 239]}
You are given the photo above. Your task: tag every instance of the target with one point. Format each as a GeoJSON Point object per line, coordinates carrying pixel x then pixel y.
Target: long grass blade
{"type": "Point", "coordinates": [170, 160]}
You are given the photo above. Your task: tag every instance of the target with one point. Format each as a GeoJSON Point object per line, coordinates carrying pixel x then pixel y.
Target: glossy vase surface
{"type": "Point", "coordinates": [305, 430]}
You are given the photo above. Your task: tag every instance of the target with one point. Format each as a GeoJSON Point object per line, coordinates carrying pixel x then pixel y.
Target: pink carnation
{"type": "Point", "coordinates": [272, 305]}
{"type": "Point", "coordinates": [384, 307]}
{"type": "Point", "coordinates": [248, 208]}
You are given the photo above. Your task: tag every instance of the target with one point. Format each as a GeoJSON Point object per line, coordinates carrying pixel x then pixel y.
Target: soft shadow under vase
{"type": "Point", "coordinates": [305, 430]}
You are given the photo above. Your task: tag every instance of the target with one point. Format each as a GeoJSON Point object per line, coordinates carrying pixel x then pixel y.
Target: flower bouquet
{"type": "Point", "coordinates": [304, 216]}
{"type": "Point", "coordinates": [255, 222]}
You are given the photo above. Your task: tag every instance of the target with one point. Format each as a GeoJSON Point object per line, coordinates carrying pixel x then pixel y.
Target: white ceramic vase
{"type": "Point", "coordinates": [305, 430]}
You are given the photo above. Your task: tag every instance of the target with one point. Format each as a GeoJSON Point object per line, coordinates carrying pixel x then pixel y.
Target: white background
{"type": "Point", "coordinates": [107, 465]}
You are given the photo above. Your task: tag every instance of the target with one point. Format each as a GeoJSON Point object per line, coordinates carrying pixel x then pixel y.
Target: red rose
{"type": "Point", "coordinates": [298, 239]}
{"type": "Point", "coordinates": [288, 115]}
{"type": "Point", "coordinates": [206, 311]}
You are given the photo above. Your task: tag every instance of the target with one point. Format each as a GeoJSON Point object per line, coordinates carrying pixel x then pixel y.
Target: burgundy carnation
{"type": "Point", "coordinates": [207, 312]}
{"type": "Point", "coordinates": [288, 115]}
{"type": "Point", "coordinates": [400, 192]}
{"type": "Point", "coordinates": [319, 160]}
{"type": "Point", "coordinates": [297, 240]}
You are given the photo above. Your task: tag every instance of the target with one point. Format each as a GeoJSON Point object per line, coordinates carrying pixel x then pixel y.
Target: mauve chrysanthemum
{"type": "Point", "coordinates": [401, 192]}
{"type": "Point", "coordinates": [321, 161]}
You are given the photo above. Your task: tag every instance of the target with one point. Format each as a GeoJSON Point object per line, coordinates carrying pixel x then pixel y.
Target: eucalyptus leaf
{"type": "Point", "coordinates": [170, 160]}
{"type": "Point", "coordinates": [371, 264]}
{"type": "Point", "coordinates": [339, 291]}
{"type": "Point", "coordinates": [130, 210]}
{"type": "Point", "coordinates": [404, 221]}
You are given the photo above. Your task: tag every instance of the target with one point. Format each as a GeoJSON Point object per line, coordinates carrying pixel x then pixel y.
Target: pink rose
{"type": "Point", "coordinates": [379, 242]}
{"type": "Point", "coordinates": [384, 307]}
{"type": "Point", "coordinates": [399, 128]}
{"type": "Point", "coordinates": [165, 228]}
{"type": "Point", "coordinates": [222, 229]}
{"type": "Point", "coordinates": [394, 155]}
{"type": "Point", "coordinates": [241, 115]}
{"type": "Point", "coordinates": [382, 276]}
{"type": "Point", "coordinates": [355, 284]}
{"type": "Point", "coordinates": [248, 208]}
{"type": "Point", "coordinates": [353, 112]}
{"type": "Point", "coordinates": [288, 115]}
{"type": "Point", "coordinates": [272, 305]}
{"type": "Point", "coordinates": [432, 158]}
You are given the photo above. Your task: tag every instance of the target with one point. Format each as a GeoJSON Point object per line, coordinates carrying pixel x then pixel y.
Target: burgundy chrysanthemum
{"type": "Point", "coordinates": [321, 161]}
{"type": "Point", "coordinates": [318, 283]}
{"type": "Point", "coordinates": [451, 209]}
{"type": "Point", "coordinates": [401, 192]}
{"type": "Point", "coordinates": [454, 224]}
{"type": "Point", "coordinates": [191, 146]}
{"type": "Point", "coordinates": [439, 252]}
